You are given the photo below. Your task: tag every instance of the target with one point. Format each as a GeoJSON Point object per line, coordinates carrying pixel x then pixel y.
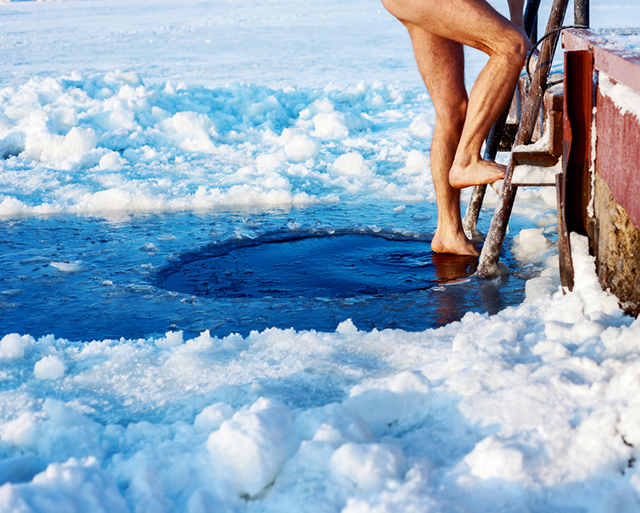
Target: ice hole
{"type": "Point", "coordinates": [316, 282]}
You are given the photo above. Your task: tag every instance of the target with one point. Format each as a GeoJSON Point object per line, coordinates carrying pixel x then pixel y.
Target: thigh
{"type": "Point", "coordinates": [470, 22]}
{"type": "Point", "coordinates": [441, 64]}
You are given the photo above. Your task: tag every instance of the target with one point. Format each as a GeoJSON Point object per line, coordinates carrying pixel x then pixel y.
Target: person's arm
{"type": "Point", "coordinates": [516, 11]}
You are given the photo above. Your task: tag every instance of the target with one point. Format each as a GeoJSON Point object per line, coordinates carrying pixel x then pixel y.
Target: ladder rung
{"type": "Point", "coordinates": [533, 158]}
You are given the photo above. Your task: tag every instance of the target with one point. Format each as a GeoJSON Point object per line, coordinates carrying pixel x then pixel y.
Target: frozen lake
{"type": "Point", "coordinates": [217, 292]}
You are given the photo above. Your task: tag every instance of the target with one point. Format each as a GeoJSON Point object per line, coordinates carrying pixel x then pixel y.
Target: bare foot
{"type": "Point", "coordinates": [480, 172]}
{"type": "Point", "coordinates": [456, 244]}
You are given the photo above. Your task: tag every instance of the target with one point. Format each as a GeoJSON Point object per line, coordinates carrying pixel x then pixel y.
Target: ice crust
{"type": "Point", "coordinates": [533, 409]}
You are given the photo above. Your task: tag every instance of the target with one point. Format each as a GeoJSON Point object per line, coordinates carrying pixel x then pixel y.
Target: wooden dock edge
{"type": "Point", "coordinates": [601, 162]}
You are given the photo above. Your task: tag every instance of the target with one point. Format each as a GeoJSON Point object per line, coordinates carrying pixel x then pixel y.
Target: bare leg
{"type": "Point", "coordinates": [474, 23]}
{"type": "Point", "coordinates": [516, 11]}
{"type": "Point", "coordinates": [441, 64]}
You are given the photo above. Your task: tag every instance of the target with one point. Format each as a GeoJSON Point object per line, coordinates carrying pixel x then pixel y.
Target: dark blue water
{"type": "Point", "coordinates": [90, 278]}
{"type": "Point", "coordinates": [317, 281]}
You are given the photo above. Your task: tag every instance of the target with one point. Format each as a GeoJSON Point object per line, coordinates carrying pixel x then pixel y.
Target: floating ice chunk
{"type": "Point", "coordinates": [421, 128]}
{"type": "Point", "coordinates": [375, 101]}
{"type": "Point", "coordinates": [409, 497]}
{"type": "Point", "coordinates": [13, 345]}
{"type": "Point", "coordinates": [313, 457]}
{"type": "Point", "coordinates": [351, 163]}
{"type": "Point", "coordinates": [61, 415]}
{"type": "Point", "coordinates": [530, 245]}
{"type": "Point", "coordinates": [250, 448]}
{"type": "Point", "coordinates": [550, 350]}
{"type": "Point", "coordinates": [130, 78]}
{"type": "Point", "coordinates": [21, 468]}
{"type": "Point", "coordinates": [171, 339]}
{"type": "Point", "coordinates": [204, 500]}
{"type": "Point", "coordinates": [68, 267]}
{"type": "Point", "coordinates": [68, 433]}
{"type": "Point", "coordinates": [148, 247]}
{"type": "Point", "coordinates": [270, 162]}
{"type": "Point", "coordinates": [546, 284]}
{"type": "Point", "coordinates": [202, 343]}
{"type": "Point", "coordinates": [113, 200]}
{"type": "Point", "coordinates": [539, 287]}
{"type": "Point", "coordinates": [12, 144]}
{"type": "Point", "coordinates": [12, 206]}
{"type": "Point", "coordinates": [369, 466]}
{"type": "Point", "coordinates": [212, 417]}
{"type": "Point", "coordinates": [65, 117]}
{"type": "Point", "coordinates": [50, 367]}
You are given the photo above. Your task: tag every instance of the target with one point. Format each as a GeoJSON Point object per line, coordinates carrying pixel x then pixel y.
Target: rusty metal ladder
{"type": "Point", "coordinates": [488, 264]}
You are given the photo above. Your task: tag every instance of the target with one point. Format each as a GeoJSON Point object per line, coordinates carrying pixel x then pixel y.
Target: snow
{"type": "Point", "coordinates": [625, 39]}
{"type": "Point", "coordinates": [250, 448]}
{"type": "Point", "coordinates": [50, 367]}
{"type": "Point", "coordinates": [532, 406]}
{"type": "Point", "coordinates": [623, 97]}
{"type": "Point", "coordinates": [530, 245]}
{"type": "Point", "coordinates": [527, 174]}
{"type": "Point", "coordinates": [132, 135]}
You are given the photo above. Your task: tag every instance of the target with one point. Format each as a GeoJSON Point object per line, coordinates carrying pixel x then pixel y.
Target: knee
{"type": "Point", "coordinates": [514, 47]}
{"type": "Point", "coordinates": [520, 47]}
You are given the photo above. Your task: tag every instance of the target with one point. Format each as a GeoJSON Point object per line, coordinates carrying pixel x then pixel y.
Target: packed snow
{"type": "Point", "coordinates": [133, 133]}
{"type": "Point", "coordinates": [624, 98]}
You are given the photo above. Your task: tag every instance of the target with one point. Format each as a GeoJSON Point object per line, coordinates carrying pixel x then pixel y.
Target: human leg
{"type": "Point", "coordinates": [474, 23]}
{"type": "Point", "coordinates": [441, 64]}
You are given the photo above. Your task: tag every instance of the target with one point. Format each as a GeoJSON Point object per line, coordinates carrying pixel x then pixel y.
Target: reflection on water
{"type": "Point", "coordinates": [453, 267]}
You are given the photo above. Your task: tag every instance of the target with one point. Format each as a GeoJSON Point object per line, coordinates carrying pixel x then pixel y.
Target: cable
{"type": "Point", "coordinates": [530, 54]}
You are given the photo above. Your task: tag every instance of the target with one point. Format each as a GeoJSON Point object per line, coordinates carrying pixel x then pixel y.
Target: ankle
{"type": "Point", "coordinates": [464, 161]}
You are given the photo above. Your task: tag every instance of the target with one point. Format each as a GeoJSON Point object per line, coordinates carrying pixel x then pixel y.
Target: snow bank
{"type": "Point", "coordinates": [108, 142]}
{"type": "Point", "coordinates": [531, 408]}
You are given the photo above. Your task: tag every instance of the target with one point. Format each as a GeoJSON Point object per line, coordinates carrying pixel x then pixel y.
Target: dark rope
{"type": "Point", "coordinates": [530, 54]}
